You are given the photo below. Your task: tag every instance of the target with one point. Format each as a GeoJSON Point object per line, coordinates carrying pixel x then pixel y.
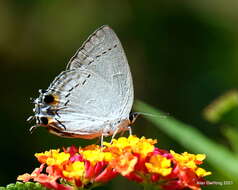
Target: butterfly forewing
{"type": "Point", "coordinates": [103, 54]}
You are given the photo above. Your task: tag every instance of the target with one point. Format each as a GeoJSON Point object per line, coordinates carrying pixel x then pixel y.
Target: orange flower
{"type": "Point", "coordinates": [124, 164]}
{"type": "Point", "coordinates": [134, 158]}
{"type": "Point", "coordinates": [159, 164]}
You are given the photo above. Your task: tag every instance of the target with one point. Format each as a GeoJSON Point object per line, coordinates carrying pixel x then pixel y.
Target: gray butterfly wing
{"type": "Point", "coordinates": [81, 109]}
{"type": "Point", "coordinates": [97, 44]}
{"type": "Point", "coordinates": [88, 104]}
{"type": "Point", "coordinates": [103, 54]}
{"type": "Point", "coordinates": [96, 88]}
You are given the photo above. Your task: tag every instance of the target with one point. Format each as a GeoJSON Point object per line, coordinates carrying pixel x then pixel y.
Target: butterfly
{"type": "Point", "coordinates": [93, 96]}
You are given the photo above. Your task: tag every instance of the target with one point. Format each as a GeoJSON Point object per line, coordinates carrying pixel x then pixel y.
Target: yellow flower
{"type": "Point", "coordinates": [159, 164]}
{"type": "Point", "coordinates": [96, 155]}
{"type": "Point", "coordinates": [25, 177]}
{"type": "Point", "coordinates": [187, 160]}
{"type": "Point", "coordinates": [75, 170]}
{"type": "Point", "coordinates": [53, 157]}
{"type": "Point", "coordinates": [42, 157]}
{"type": "Point", "coordinates": [202, 173]}
{"type": "Point", "coordinates": [191, 161]}
{"type": "Point", "coordinates": [137, 145]}
{"type": "Point", "coordinates": [200, 157]}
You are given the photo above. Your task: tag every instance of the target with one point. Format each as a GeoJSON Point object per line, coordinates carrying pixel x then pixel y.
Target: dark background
{"type": "Point", "coordinates": [182, 54]}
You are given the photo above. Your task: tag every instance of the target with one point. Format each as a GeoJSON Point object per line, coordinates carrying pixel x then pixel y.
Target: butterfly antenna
{"type": "Point", "coordinates": [164, 116]}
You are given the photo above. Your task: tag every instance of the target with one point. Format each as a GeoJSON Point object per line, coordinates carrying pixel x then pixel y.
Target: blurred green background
{"type": "Point", "coordinates": [182, 54]}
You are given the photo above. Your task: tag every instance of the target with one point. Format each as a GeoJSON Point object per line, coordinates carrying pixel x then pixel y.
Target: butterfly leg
{"type": "Point", "coordinates": [127, 128]}
{"type": "Point", "coordinates": [102, 140]}
{"type": "Point", "coordinates": [32, 129]}
{"type": "Point", "coordinates": [29, 119]}
{"type": "Point", "coordinates": [114, 134]}
{"type": "Point", "coordinates": [130, 130]}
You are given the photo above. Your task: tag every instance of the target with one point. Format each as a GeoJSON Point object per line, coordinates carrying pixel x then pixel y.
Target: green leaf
{"type": "Point", "coordinates": [224, 108]}
{"type": "Point", "coordinates": [232, 135]}
{"type": "Point", "coordinates": [24, 186]}
{"type": "Point", "coordinates": [191, 138]}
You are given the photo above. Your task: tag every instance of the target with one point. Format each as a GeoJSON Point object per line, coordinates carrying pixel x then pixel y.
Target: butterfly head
{"type": "Point", "coordinates": [133, 116]}
{"type": "Point", "coordinates": [45, 109]}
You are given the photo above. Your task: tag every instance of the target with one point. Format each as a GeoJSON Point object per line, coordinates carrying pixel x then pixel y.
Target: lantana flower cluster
{"type": "Point", "coordinates": [134, 158]}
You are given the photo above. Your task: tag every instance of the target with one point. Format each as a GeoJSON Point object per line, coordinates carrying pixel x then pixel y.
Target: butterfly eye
{"type": "Point", "coordinates": [49, 99]}
{"type": "Point", "coordinates": [133, 116]}
{"type": "Point", "coordinates": [44, 120]}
